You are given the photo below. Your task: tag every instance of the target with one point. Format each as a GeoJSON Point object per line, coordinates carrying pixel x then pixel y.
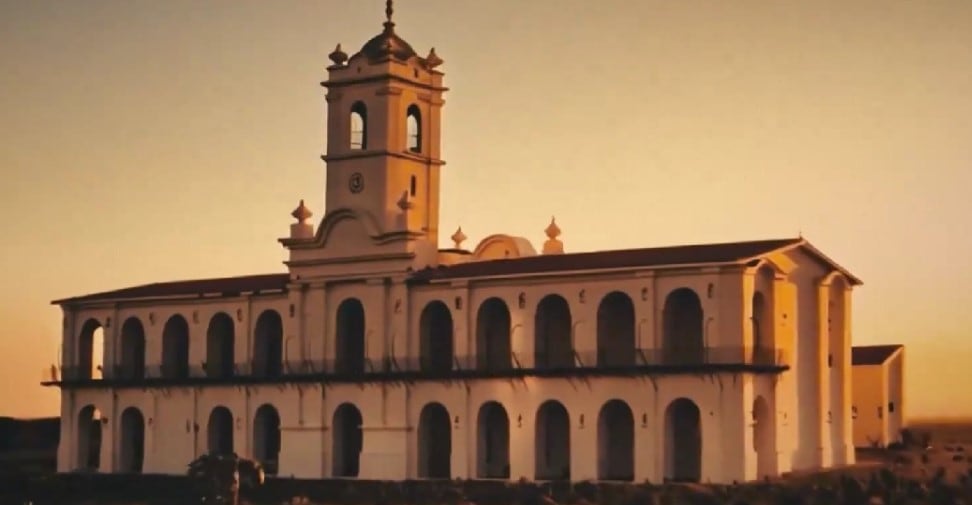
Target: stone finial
{"type": "Point", "coordinates": [552, 231]}
{"type": "Point", "coordinates": [433, 60]}
{"type": "Point", "coordinates": [301, 213]}
{"type": "Point", "coordinates": [301, 229]}
{"type": "Point", "coordinates": [405, 203]}
{"type": "Point", "coordinates": [553, 245]}
{"type": "Point", "coordinates": [338, 56]}
{"type": "Point", "coordinates": [458, 237]}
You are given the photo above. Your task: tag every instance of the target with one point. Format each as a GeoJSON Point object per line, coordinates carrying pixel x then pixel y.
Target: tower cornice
{"type": "Point", "coordinates": [339, 83]}
{"type": "Point", "coordinates": [378, 153]}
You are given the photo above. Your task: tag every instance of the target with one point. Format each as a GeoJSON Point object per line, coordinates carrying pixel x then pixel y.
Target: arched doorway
{"type": "Point", "coordinates": [492, 442]}
{"type": "Point", "coordinates": [346, 441]}
{"type": "Point", "coordinates": [132, 440]}
{"type": "Point", "coordinates": [88, 439]}
{"type": "Point", "coordinates": [350, 341]}
{"type": "Point", "coordinates": [268, 345]}
{"type": "Point", "coordinates": [220, 356]}
{"type": "Point", "coordinates": [683, 331]}
{"type": "Point", "coordinates": [616, 331]}
{"type": "Point", "coordinates": [266, 438]}
{"type": "Point", "coordinates": [132, 364]}
{"type": "Point", "coordinates": [552, 337]}
{"type": "Point", "coordinates": [764, 438]}
{"type": "Point", "coordinates": [759, 324]}
{"type": "Point", "coordinates": [494, 349]}
{"type": "Point", "coordinates": [220, 431]}
{"type": "Point", "coordinates": [615, 442]}
{"type": "Point", "coordinates": [552, 445]}
{"type": "Point", "coordinates": [434, 443]}
{"type": "Point", "coordinates": [435, 338]}
{"type": "Point", "coordinates": [90, 352]}
{"type": "Point", "coordinates": [683, 441]}
{"type": "Point", "coordinates": [175, 348]}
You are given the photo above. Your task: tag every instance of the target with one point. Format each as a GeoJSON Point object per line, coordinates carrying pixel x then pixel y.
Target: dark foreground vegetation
{"type": "Point", "coordinates": [874, 486]}
{"type": "Point", "coordinates": [933, 466]}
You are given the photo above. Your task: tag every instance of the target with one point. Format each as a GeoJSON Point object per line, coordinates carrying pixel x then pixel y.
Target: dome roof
{"type": "Point", "coordinates": [387, 43]}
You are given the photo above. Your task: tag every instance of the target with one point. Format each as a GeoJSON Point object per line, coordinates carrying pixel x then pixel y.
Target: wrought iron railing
{"type": "Point", "coordinates": [439, 366]}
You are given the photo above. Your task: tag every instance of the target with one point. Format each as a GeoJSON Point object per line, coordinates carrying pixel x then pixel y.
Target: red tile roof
{"type": "Point", "coordinates": [623, 258]}
{"type": "Point", "coordinates": [223, 286]}
{"type": "Point", "coordinates": [725, 253]}
{"type": "Point", "coordinates": [872, 354]}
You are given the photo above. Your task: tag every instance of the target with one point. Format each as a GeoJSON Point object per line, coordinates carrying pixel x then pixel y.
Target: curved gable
{"type": "Point", "coordinates": [500, 246]}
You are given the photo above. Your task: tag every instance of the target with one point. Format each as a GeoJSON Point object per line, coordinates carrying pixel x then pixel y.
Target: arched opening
{"type": "Point", "coordinates": [346, 441]}
{"type": "Point", "coordinates": [616, 331]}
{"type": "Point", "coordinates": [220, 431]}
{"type": "Point", "coordinates": [615, 442]}
{"type": "Point", "coordinates": [359, 126]}
{"type": "Point", "coordinates": [683, 441]}
{"type": "Point", "coordinates": [434, 443]}
{"type": "Point", "coordinates": [412, 186]}
{"type": "Point", "coordinates": [492, 442]}
{"type": "Point", "coordinates": [132, 364]}
{"type": "Point", "coordinates": [553, 328]}
{"type": "Point", "coordinates": [91, 348]}
{"type": "Point", "coordinates": [132, 440]}
{"type": "Point", "coordinates": [759, 323]}
{"type": "Point", "coordinates": [764, 438]}
{"type": "Point", "coordinates": [220, 339]}
{"type": "Point", "coordinates": [266, 438]}
{"type": "Point", "coordinates": [552, 442]}
{"type": "Point", "coordinates": [350, 342]}
{"type": "Point", "coordinates": [493, 346]}
{"type": "Point", "coordinates": [88, 439]}
{"type": "Point", "coordinates": [175, 348]}
{"type": "Point", "coordinates": [413, 125]}
{"type": "Point", "coordinates": [435, 338]}
{"type": "Point", "coordinates": [838, 352]}
{"type": "Point", "coordinates": [683, 338]}
{"type": "Point", "coordinates": [268, 345]}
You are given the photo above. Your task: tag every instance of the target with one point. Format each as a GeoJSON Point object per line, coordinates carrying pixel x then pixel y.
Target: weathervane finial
{"type": "Point", "coordinates": [388, 10]}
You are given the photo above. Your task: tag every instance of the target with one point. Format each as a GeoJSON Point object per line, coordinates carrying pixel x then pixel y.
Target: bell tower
{"type": "Point", "coordinates": [383, 130]}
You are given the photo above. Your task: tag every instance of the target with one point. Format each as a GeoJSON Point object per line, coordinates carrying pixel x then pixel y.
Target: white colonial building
{"type": "Point", "coordinates": [381, 355]}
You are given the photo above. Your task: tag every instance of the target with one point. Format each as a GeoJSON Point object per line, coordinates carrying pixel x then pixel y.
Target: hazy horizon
{"type": "Point", "coordinates": [155, 141]}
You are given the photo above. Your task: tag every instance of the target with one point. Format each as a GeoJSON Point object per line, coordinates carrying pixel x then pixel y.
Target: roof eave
{"type": "Point", "coordinates": [851, 277]}
{"type": "Point", "coordinates": [165, 298]}
{"type": "Point", "coordinates": [587, 271]}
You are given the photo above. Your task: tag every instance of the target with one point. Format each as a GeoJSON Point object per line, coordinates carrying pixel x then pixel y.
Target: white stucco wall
{"type": "Point", "coordinates": [176, 417]}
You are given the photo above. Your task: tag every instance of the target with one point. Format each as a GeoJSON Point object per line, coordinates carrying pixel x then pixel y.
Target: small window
{"type": "Point", "coordinates": [359, 126]}
{"type": "Point", "coordinates": [830, 361]}
{"type": "Point", "coordinates": [890, 407]}
{"type": "Point", "coordinates": [413, 127]}
{"type": "Point", "coordinates": [411, 189]}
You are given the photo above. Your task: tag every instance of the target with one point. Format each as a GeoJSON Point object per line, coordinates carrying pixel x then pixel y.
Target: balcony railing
{"type": "Point", "coordinates": [640, 361]}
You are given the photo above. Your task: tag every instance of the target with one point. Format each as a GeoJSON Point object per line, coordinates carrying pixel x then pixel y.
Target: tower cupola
{"type": "Point", "coordinates": [382, 147]}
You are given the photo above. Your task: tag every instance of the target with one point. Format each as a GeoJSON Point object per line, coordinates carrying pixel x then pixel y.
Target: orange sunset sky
{"type": "Point", "coordinates": [145, 141]}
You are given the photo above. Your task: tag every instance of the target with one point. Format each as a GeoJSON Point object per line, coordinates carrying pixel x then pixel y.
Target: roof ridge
{"type": "Point", "coordinates": [792, 240]}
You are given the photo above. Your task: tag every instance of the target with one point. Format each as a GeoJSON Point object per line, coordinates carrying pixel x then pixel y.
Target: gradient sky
{"type": "Point", "coordinates": [145, 141]}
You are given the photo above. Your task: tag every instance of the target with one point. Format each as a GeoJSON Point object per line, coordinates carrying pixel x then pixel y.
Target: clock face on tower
{"type": "Point", "coordinates": [356, 182]}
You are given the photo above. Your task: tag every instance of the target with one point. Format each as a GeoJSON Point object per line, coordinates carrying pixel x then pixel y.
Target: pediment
{"type": "Point", "coordinates": [500, 246]}
{"type": "Point", "coordinates": [348, 227]}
